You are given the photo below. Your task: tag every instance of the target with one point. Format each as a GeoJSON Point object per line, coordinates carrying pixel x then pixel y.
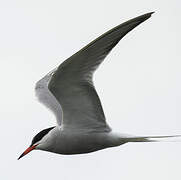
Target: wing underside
{"type": "Point", "coordinates": [47, 98]}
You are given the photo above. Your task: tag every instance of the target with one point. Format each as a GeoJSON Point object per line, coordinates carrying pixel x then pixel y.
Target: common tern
{"type": "Point", "coordinates": [69, 92]}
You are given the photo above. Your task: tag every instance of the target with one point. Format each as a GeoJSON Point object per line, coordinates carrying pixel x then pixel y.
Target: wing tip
{"type": "Point", "coordinates": [142, 18]}
{"type": "Point", "coordinates": [147, 15]}
{"type": "Point", "coordinates": [150, 13]}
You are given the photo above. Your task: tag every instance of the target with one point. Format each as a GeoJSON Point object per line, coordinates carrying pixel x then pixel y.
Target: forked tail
{"type": "Point", "coordinates": [174, 138]}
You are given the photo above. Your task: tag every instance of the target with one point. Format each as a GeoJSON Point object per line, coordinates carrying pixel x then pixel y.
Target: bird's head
{"type": "Point", "coordinates": [39, 140]}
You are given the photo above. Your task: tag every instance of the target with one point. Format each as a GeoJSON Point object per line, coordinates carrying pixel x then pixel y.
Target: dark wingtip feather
{"type": "Point", "coordinates": [146, 16]}
{"type": "Point", "coordinates": [151, 12]}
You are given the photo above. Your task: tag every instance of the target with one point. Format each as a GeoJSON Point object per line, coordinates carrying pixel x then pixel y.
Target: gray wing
{"type": "Point", "coordinates": [47, 98]}
{"type": "Point", "coordinates": [72, 83]}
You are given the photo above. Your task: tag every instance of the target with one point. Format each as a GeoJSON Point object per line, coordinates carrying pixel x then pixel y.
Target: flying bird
{"type": "Point", "coordinates": [68, 91]}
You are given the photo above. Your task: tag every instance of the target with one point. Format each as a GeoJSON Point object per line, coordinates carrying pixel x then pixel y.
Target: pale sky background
{"type": "Point", "coordinates": [139, 84]}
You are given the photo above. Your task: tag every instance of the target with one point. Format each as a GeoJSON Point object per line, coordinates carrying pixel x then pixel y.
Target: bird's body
{"type": "Point", "coordinates": [76, 142]}
{"type": "Point", "coordinates": [70, 93]}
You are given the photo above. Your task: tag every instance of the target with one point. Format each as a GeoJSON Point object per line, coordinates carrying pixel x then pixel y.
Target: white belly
{"type": "Point", "coordinates": [79, 143]}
